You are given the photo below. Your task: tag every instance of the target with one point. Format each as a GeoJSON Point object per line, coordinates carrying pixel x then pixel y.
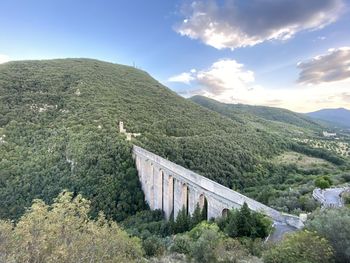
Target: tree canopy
{"type": "Point", "coordinates": [64, 232]}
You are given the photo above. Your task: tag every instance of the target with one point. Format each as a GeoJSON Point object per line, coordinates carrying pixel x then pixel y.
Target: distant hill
{"type": "Point", "coordinates": [340, 116]}
{"type": "Point", "coordinates": [236, 111]}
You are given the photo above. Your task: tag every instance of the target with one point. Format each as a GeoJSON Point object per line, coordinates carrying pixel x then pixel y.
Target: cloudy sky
{"type": "Point", "coordinates": [285, 53]}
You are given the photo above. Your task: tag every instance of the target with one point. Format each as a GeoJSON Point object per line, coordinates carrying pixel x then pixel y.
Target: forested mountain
{"type": "Point", "coordinates": [58, 130]}
{"type": "Point", "coordinates": [339, 117]}
{"type": "Point", "coordinates": [256, 113]}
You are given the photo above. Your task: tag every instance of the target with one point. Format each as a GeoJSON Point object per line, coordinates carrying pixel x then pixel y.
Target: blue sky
{"type": "Point", "coordinates": [230, 50]}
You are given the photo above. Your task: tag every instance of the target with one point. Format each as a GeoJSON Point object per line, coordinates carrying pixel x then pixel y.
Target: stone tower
{"type": "Point", "coordinates": [121, 127]}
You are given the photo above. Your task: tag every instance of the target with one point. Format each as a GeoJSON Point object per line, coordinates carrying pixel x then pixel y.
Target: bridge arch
{"type": "Point", "coordinates": [203, 204]}
{"type": "Point", "coordinates": [162, 180]}
{"type": "Point", "coordinates": [225, 212]}
{"type": "Point", "coordinates": [185, 196]}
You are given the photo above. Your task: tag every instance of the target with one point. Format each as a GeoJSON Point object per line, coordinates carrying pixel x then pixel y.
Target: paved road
{"type": "Point", "coordinates": [280, 230]}
{"type": "Point", "coordinates": [332, 196]}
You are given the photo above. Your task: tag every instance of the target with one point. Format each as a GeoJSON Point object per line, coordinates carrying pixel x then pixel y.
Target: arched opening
{"type": "Point", "coordinates": [203, 204]}
{"type": "Point", "coordinates": [224, 212]}
{"type": "Point", "coordinates": [162, 189]}
{"type": "Point", "coordinates": [184, 197]}
{"type": "Point", "coordinates": [170, 202]}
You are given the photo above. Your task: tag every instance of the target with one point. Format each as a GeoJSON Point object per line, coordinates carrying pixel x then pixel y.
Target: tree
{"type": "Point", "coordinates": [63, 232]}
{"type": "Point", "coordinates": [323, 182]}
{"type": "Point", "coordinates": [182, 222]}
{"type": "Point", "coordinates": [301, 247]}
{"type": "Point", "coordinates": [334, 225]}
{"type": "Point", "coordinates": [245, 223]}
{"type": "Point", "coordinates": [206, 243]}
{"type": "Point", "coordinates": [153, 246]}
{"type": "Point", "coordinates": [197, 216]}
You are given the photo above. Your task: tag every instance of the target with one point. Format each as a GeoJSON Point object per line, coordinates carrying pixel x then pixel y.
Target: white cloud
{"type": "Point", "coordinates": [4, 58]}
{"type": "Point", "coordinates": [229, 81]}
{"type": "Point", "coordinates": [225, 76]}
{"type": "Point", "coordinates": [330, 67]}
{"type": "Point", "coordinates": [234, 23]}
{"type": "Point", "coordinates": [183, 78]}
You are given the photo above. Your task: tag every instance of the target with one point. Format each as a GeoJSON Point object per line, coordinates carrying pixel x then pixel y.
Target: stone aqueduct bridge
{"type": "Point", "coordinates": [169, 187]}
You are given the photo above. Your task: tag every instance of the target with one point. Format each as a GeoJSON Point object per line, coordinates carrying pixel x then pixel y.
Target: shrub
{"type": "Point", "coordinates": [334, 225]}
{"type": "Point", "coordinates": [346, 177]}
{"type": "Point", "coordinates": [346, 198]}
{"type": "Point", "coordinates": [182, 244]}
{"type": "Point", "coordinates": [203, 249]}
{"type": "Point", "coordinates": [322, 182]}
{"type": "Point", "coordinates": [63, 232]}
{"type": "Point", "coordinates": [301, 247]}
{"type": "Point", "coordinates": [153, 246]}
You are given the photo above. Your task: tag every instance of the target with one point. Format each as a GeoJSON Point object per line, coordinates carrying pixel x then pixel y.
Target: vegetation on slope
{"type": "Point", "coordinates": [257, 113]}
{"type": "Point", "coordinates": [58, 124]}
{"type": "Point", "coordinates": [58, 130]}
{"type": "Point", "coordinates": [284, 183]}
{"type": "Point", "coordinates": [63, 232]}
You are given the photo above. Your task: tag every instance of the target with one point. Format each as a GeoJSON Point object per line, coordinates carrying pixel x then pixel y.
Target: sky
{"type": "Point", "coordinates": [293, 54]}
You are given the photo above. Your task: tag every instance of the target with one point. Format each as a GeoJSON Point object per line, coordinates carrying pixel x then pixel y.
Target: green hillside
{"type": "Point", "coordinates": [58, 130]}
{"type": "Point", "coordinates": [259, 113]}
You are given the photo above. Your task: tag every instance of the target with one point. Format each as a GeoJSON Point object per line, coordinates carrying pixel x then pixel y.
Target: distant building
{"type": "Point", "coordinates": [121, 127]}
{"type": "Point", "coordinates": [328, 134]}
{"type": "Point", "coordinates": [129, 135]}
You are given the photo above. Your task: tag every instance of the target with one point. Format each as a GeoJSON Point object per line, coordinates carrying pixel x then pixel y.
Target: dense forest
{"type": "Point", "coordinates": [58, 125]}
{"type": "Point", "coordinates": [59, 132]}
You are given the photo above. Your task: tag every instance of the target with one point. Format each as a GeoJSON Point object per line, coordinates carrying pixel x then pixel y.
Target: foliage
{"type": "Point", "coordinates": [182, 222]}
{"type": "Point", "coordinates": [245, 223]}
{"type": "Point", "coordinates": [303, 247]}
{"type": "Point", "coordinates": [346, 198]}
{"type": "Point", "coordinates": [346, 177]}
{"type": "Point", "coordinates": [323, 182]}
{"type": "Point", "coordinates": [206, 243]}
{"type": "Point", "coordinates": [182, 244]}
{"type": "Point", "coordinates": [334, 225]}
{"type": "Point", "coordinates": [63, 232]}
{"type": "Point", "coordinates": [59, 119]}
{"type": "Point", "coordinates": [204, 246]}
{"type": "Point", "coordinates": [236, 111]}
{"type": "Point", "coordinates": [147, 223]}
{"type": "Point", "coordinates": [198, 215]}
{"type": "Point", "coordinates": [153, 246]}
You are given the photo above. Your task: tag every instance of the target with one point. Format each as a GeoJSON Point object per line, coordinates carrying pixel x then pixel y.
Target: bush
{"type": "Point", "coordinates": [63, 232]}
{"type": "Point", "coordinates": [153, 246]}
{"type": "Point", "coordinates": [308, 203]}
{"type": "Point", "coordinates": [230, 250]}
{"type": "Point", "coordinates": [323, 182]}
{"type": "Point", "coordinates": [203, 250]}
{"type": "Point", "coordinates": [182, 244]}
{"type": "Point", "coordinates": [346, 177]}
{"type": "Point", "coordinates": [346, 198]}
{"type": "Point", "coordinates": [300, 247]}
{"type": "Point", "coordinates": [334, 225]}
